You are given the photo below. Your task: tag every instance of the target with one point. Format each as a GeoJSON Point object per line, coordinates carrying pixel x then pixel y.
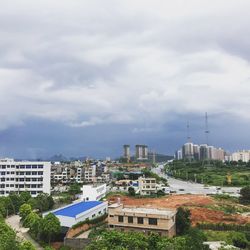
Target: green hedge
{"type": "Point", "coordinates": [224, 227]}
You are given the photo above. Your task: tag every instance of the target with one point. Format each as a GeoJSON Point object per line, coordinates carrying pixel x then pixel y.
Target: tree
{"type": "Point", "coordinates": [195, 239]}
{"type": "Point", "coordinates": [183, 221]}
{"type": "Point", "coordinates": [14, 203]}
{"type": "Point", "coordinates": [24, 197]}
{"type": "Point", "coordinates": [245, 195]}
{"type": "Point", "coordinates": [26, 245]}
{"type": "Point", "coordinates": [131, 191]}
{"type": "Point", "coordinates": [30, 219]}
{"type": "Point", "coordinates": [7, 237]}
{"type": "Point", "coordinates": [74, 189]}
{"type": "Point", "coordinates": [24, 211]}
{"type": "Point", "coordinates": [50, 225]}
{"type": "Point", "coordinates": [119, 241]}
{"type": "Point", "coordinates": [44, 202]}
{"type": "Point", "coordinates": [35, 227]}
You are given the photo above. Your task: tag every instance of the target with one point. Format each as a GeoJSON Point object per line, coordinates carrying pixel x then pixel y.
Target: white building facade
{"type": "Point", "coordinates": [20, 176]}
{"type": "Point", "coordinates": [78, 212]}
{"type": "Point", "coordinates": [243, 155]}
{"type": "Point", "coordinates": [147, 186]}
{"type": "Point", "coordinates": [93, 192]}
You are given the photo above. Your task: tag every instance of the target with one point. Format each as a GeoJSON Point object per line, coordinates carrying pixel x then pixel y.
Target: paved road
{"type": "Point", "coordinates": [14, 222]}
{"type": "Point", "coordinates": [184, 187]}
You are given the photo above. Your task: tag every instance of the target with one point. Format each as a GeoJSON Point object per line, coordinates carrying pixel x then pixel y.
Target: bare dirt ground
{"type": "Point", "coordinates": [196, 203]}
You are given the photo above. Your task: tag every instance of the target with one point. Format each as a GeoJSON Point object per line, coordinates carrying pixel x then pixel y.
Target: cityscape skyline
{"type": "Point", "coordinates": [166, 144]}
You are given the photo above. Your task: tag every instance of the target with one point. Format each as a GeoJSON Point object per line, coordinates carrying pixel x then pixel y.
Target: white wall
{"type": "Point", "coordinates": [89, 214]}
{"type": "Point", "coordinates": [92, 193]}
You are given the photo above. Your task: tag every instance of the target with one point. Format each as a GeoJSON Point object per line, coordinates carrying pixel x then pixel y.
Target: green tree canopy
{"type": "Point", "coordinates": [31, 219]}
{"type": "Point", "coordinates": [183, 221]}
{"type": "Point", "coordinates": [25, 196]}
{"type": "Point", "coordinates": [44, 202]}
{"type": "Point", "coordinates": [26, 245]}
{"type": "Point", "coordinates": [7, 237]}
{"type": "Point", "coordinates": [74, 189]}
{"type": "Point", "coordinates": [50, 225]}
{"type": "Point", "coordinates": [24, 211]}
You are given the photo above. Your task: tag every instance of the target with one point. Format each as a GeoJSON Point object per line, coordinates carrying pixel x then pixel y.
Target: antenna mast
{"type": "Point", "coordinates": [206, 128]}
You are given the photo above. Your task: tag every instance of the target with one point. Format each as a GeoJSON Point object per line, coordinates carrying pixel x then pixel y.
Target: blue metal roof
{"type": "Point", "coordinates": [78, 208]}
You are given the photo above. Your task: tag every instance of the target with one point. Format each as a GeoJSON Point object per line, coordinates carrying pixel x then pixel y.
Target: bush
{"type": "Point", "coordinates": [131, 191]}
{"type": "Point", "coordinates": [245, 195]}
{"type": "Point", "coordinates": [239, 240]}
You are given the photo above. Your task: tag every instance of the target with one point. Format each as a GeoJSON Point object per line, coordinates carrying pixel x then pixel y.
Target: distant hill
{"type": "Point", "coordinates": [58, 157]}
{"type": "Point", "coordinates": [160, 157]}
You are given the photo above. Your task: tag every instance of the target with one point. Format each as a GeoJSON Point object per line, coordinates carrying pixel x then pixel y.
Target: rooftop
{"type": "Point", "coordinates": [78, 208]}
{"type": "Point", "coordinates": [143, 210]}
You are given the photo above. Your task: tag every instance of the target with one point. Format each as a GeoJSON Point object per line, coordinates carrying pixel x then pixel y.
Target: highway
{"type": "Point", "coordinates": [186, 187]}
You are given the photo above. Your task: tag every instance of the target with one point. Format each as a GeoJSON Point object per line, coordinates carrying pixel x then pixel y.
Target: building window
{"type": "Point", "coordinates": [140, 220]}
{"type": "Point", "coordinates": [111, 216]}
{"type": "Point", "coordinates": [130, 219]}
{"type": "Point", "coordinates": [152, 221]}
{"type": "Point", "coordinates": [120, 218]}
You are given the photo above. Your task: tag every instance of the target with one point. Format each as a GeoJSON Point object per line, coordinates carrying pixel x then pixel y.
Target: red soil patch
{"type": "Point", "coordinates": [200, 214]}
{"type": "Point", "coordinates": [173, 201]}
{"type": "Point", "coordinates": [196, 204]}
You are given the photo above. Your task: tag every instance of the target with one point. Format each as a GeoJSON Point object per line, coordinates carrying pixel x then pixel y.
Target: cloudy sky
{"type": "Point", "coordinates": [84, 77]}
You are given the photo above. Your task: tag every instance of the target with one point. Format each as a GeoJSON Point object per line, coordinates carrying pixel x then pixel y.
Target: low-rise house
{"type": "Point", "coordinates": [147, 220]}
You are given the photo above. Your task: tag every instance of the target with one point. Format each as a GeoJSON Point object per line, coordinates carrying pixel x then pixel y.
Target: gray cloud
{"type": "Point", "coordinates": [134, 62]}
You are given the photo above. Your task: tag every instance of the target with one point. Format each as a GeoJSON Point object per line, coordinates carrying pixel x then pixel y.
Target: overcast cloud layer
{"type": "Point", "coordinates": [145, 66]}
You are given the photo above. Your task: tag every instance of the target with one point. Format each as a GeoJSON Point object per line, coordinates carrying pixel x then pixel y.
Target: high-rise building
{"type": "Point", "coordinates": [243, 155]}
{"type": "Point", "coordinates": [196, 152]}
{"type": "Point", "coordinates": [20, 176]}
{"type": "Point", "coordinates": [204, 152]}
{"type": "Point", "coordinates": [126, 152]}
{"type": "Point", "coordinates": [178, 155]}
{"type": "Point", "coordinates": [188, 151]}
{"type": "Point", "coordinates": [200, 152]}
{"type": "Point", "coordinates": [141, 152]}
{"type": "Point", "coordinates": [145, 152]}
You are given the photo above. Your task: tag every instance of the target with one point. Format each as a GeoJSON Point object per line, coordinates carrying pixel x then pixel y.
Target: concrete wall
{"type": "Point", "coordinates": [76, 243]}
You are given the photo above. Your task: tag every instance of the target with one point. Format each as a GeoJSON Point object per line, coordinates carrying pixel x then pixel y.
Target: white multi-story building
{"type": "Point", "coordinates": [243, 155]}
{"type": "Point", "coordinates": [19, 176]}
{"type": "Point", "coordinates": [93, 192]}
{"type": "Point", "coordinates": [147, 186]}
{"type": "Point", "coordinates": [79, 175]}
{"type": "Point", "coordinates": [90, 173]}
